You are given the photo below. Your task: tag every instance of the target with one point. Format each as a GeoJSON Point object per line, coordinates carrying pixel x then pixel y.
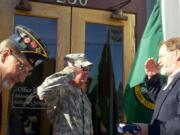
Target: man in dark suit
{"type": "Point", "coordinates": [166, 116]}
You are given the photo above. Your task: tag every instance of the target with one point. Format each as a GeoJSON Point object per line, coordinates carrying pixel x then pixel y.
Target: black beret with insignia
{"type": "Point", "coordinates": [30, 44]}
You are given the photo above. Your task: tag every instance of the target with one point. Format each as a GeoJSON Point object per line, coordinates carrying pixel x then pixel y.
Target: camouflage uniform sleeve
{"type": "Point", "coordinates": [53, 87]}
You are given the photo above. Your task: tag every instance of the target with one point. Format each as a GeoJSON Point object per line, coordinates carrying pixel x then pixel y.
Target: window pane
{"type": "Point", "coordinates": [96, 36]}
{"type": "Point", "coordinates": [104, 47]}
{"type": "Point", "coordinates": [26, 108]}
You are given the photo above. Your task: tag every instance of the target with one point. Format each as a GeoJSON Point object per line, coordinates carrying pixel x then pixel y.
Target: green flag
{"type": "Point", "coordinates": [138, 107]}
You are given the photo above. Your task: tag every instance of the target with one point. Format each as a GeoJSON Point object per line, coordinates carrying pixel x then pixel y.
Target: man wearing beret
{"type": "Point", "coordinates": [18, 55]}
{"type": "Point", "coordinates": [69, 109]}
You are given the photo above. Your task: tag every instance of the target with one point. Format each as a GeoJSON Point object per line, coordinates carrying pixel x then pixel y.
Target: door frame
{"type": "Point", "coordinates": [81, 16]}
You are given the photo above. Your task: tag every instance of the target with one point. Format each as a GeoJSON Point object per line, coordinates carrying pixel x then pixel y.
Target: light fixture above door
{"type": "Point", "coordinates": [23, 5]}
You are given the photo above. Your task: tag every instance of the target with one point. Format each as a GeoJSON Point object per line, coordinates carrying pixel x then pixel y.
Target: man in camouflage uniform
{"type": "Point", "coordinates": [69, 109]}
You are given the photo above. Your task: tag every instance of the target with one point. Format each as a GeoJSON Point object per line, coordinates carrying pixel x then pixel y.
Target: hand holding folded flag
{"type": "Point", "coordinates": [133, 128]}
{"type": "Point", "coordinates": [128, 128]}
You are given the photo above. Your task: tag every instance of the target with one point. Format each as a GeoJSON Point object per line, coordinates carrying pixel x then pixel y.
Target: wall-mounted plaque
{"type": "Point", "coordinates": [26, 98]}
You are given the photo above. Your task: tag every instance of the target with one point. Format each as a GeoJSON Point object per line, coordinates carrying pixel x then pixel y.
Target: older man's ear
{"type": "Point", "coordinates": [178, 55]}
{"type": "Point", "coordinates": [3, 54]}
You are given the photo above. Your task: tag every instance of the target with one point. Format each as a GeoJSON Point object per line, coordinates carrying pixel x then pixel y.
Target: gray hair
{"type": "Point", "coordinates": [8, 43]}
{"type": "Point", "coordinates": [172, 43]}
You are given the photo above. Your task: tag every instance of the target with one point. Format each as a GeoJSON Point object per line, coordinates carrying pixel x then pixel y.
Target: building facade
{"type": "Point", "coordinates": [68, 26]}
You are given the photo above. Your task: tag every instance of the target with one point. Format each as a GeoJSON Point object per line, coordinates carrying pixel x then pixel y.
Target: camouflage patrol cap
{"type": "Point", "coordinates": [30, 44]}
{"type": "Point", "coordinates": [78, 59]}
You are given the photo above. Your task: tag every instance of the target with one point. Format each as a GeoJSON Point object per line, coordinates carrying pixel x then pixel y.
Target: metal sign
{"type": "Point", "coordinates": [101, 4]}
{"type": "Point", "coordinates": [73, 2]}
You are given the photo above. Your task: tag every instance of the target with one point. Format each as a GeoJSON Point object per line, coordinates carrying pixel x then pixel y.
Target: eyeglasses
{"type": "Point", "coordinates": [21, 66]}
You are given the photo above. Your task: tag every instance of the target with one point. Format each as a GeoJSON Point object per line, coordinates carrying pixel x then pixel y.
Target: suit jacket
{"type": "Point", "coordinates": [166, 116]}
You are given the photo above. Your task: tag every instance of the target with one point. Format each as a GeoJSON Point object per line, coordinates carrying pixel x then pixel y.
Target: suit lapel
{"type": "Point", "coordinates": [163, 95]}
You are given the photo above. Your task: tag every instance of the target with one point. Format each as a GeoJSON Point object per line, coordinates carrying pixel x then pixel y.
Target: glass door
{"type": "Point", "coordinates": [110, 45]}
{"type": "Point", "coordinates": [93, 21]}
{"type": "Point", "coordinates": [27, 114]}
